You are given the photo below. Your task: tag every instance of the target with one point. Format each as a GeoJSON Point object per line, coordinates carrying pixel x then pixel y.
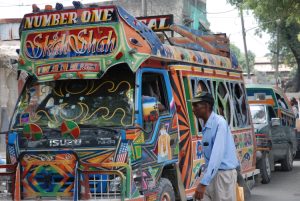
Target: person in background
{"type": "Point", "coordinates": [220, 176]}
{"type": "Point", "coordinates": [281, 103]}
{"type": "Point", "coordinates": [295, 108]}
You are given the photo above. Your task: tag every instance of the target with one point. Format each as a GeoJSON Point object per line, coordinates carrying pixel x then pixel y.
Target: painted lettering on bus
{"type": "Point", "coordinates": [68, 18]}
{"type": "Point", "coordinates": [70, 43]}
{"type": "Point", "coordinates": [64, 142]}
{"type": "Point", "coordinates": [157, 23]}
{"type": "Point", "coordinates": [68, 67]}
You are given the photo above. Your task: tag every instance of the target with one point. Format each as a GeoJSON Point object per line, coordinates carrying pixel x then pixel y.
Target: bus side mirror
{"type": "Point", "coordinates": [150, 109]}
{"type": "Point", "coordinates": [275, 122]}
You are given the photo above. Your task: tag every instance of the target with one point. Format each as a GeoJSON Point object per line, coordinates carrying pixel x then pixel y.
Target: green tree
{"type": "Point", "coordinates": [267, 13]}
{"type": "Point", "coordinates": [242, 59]}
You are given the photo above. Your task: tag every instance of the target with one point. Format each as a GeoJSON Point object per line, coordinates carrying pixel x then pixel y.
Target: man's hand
{"type": "Point", "coordinates": [200, 190]}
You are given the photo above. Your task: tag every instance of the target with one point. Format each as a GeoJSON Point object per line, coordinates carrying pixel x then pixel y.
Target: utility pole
{"type": "Point", "coordinates": [245, 42]}
{"type": "Point", "coordinates": [144, 8]}
{"type": "Point", "coordinates": [277, 52]}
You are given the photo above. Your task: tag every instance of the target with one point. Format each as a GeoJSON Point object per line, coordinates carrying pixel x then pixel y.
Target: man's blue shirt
{"type": "Point", "coordinates": [218, 147]}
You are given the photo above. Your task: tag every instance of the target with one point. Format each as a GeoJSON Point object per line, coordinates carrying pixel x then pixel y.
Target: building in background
{"type": "Point", "coordinates": [191, 13]}
{"type": "Point", "coordinates": [264, 72]}
{"type": "Point", "coordinates": [9, 43]}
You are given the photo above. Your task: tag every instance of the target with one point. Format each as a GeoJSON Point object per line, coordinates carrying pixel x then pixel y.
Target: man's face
{"type": "Point", "coordinates": [200, 109]}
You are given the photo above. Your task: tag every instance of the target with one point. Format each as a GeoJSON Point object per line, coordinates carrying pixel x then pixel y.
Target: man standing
{"type": "Point", "coordinates": [220, 176]}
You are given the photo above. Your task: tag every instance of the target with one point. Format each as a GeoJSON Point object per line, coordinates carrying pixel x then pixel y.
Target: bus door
{"type": "Point", "coordinates": [156, 115]}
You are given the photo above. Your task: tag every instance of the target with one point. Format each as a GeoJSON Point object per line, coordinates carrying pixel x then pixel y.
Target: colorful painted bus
{"type": "Point", "coordinates": [104, 113]}
{"type": "Point", "coordinates": [274, 123]}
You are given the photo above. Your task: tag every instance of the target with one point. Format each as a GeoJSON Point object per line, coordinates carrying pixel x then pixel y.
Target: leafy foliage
{"type": "Point", "coordinates": [242, 58]}
{"type": "Point", "coordinates": [282, 14]}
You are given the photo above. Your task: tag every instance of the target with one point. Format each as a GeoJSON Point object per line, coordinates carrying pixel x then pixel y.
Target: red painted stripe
{"type": "Point", "coordinates": [261, 135]}
{"type": "Point", "coordinates": [241, 131]}
{"type": "Point", "coordinates": [187, 73]}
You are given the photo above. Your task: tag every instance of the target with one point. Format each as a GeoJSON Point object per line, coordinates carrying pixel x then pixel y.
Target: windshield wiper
{"type": "Point", "coordinates": [52, 129]}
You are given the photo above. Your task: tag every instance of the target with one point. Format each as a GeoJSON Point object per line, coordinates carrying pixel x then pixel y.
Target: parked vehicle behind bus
{"type": "Point", "coordinates": [274, 123]}
{"type": "Point", "coordinates": [104, 114]}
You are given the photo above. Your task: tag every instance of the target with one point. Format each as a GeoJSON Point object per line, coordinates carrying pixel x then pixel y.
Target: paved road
{"type": "Point", "coordinates": [283, 186]}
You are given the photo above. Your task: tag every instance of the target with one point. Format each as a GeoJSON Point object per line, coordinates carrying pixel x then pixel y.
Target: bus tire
{"type": "Point", "coordinates": [287, 163]}
{"type": "Point", "coordinates": [265, 168]}
{"type": "Point", "coordinates": [165, 191]}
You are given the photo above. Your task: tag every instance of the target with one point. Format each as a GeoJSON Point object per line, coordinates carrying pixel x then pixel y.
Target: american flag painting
{"type": "Point", "coordinates": [122, 155]}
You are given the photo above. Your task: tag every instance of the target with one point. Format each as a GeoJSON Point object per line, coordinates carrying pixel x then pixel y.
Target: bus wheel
{"type": "Point", "coordinates": [265, 169]}
{"type": "Point", "coordinates": [287, 163]}
{"type": "Point", "coordinates": [165, 190]}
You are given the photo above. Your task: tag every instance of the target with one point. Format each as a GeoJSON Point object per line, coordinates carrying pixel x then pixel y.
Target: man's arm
{"type": "Point", "coordinates": [217, 154]}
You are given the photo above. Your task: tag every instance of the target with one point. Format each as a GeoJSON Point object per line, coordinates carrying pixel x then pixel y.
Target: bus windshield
{"type": "Point", "coordinates": [258, 114]}
{"type": "Point", "coordinates": [105, 102]}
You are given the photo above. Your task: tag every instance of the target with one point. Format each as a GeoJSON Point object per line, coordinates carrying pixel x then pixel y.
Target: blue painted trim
{"type": "Point", "coordinates": [12, 138]}
{"type": "Point", "coordinates": [123, 135]}
{"type": "Point", "coordinates": [13, 142]}
{"type": "Point", "coordinates": [144, 31]}
{"type": "Point", "coordinates": [138, 99]}
{"type": "Point", "coordinates": [253, 91]}
{"type": "Point", "coordinates": [173, 161]}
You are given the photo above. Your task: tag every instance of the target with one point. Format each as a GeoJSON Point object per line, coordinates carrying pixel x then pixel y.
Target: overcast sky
{"type": "Point", "coordinates": [220, 20]}
{"type": "Point", "coordinates": [230, 23]}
